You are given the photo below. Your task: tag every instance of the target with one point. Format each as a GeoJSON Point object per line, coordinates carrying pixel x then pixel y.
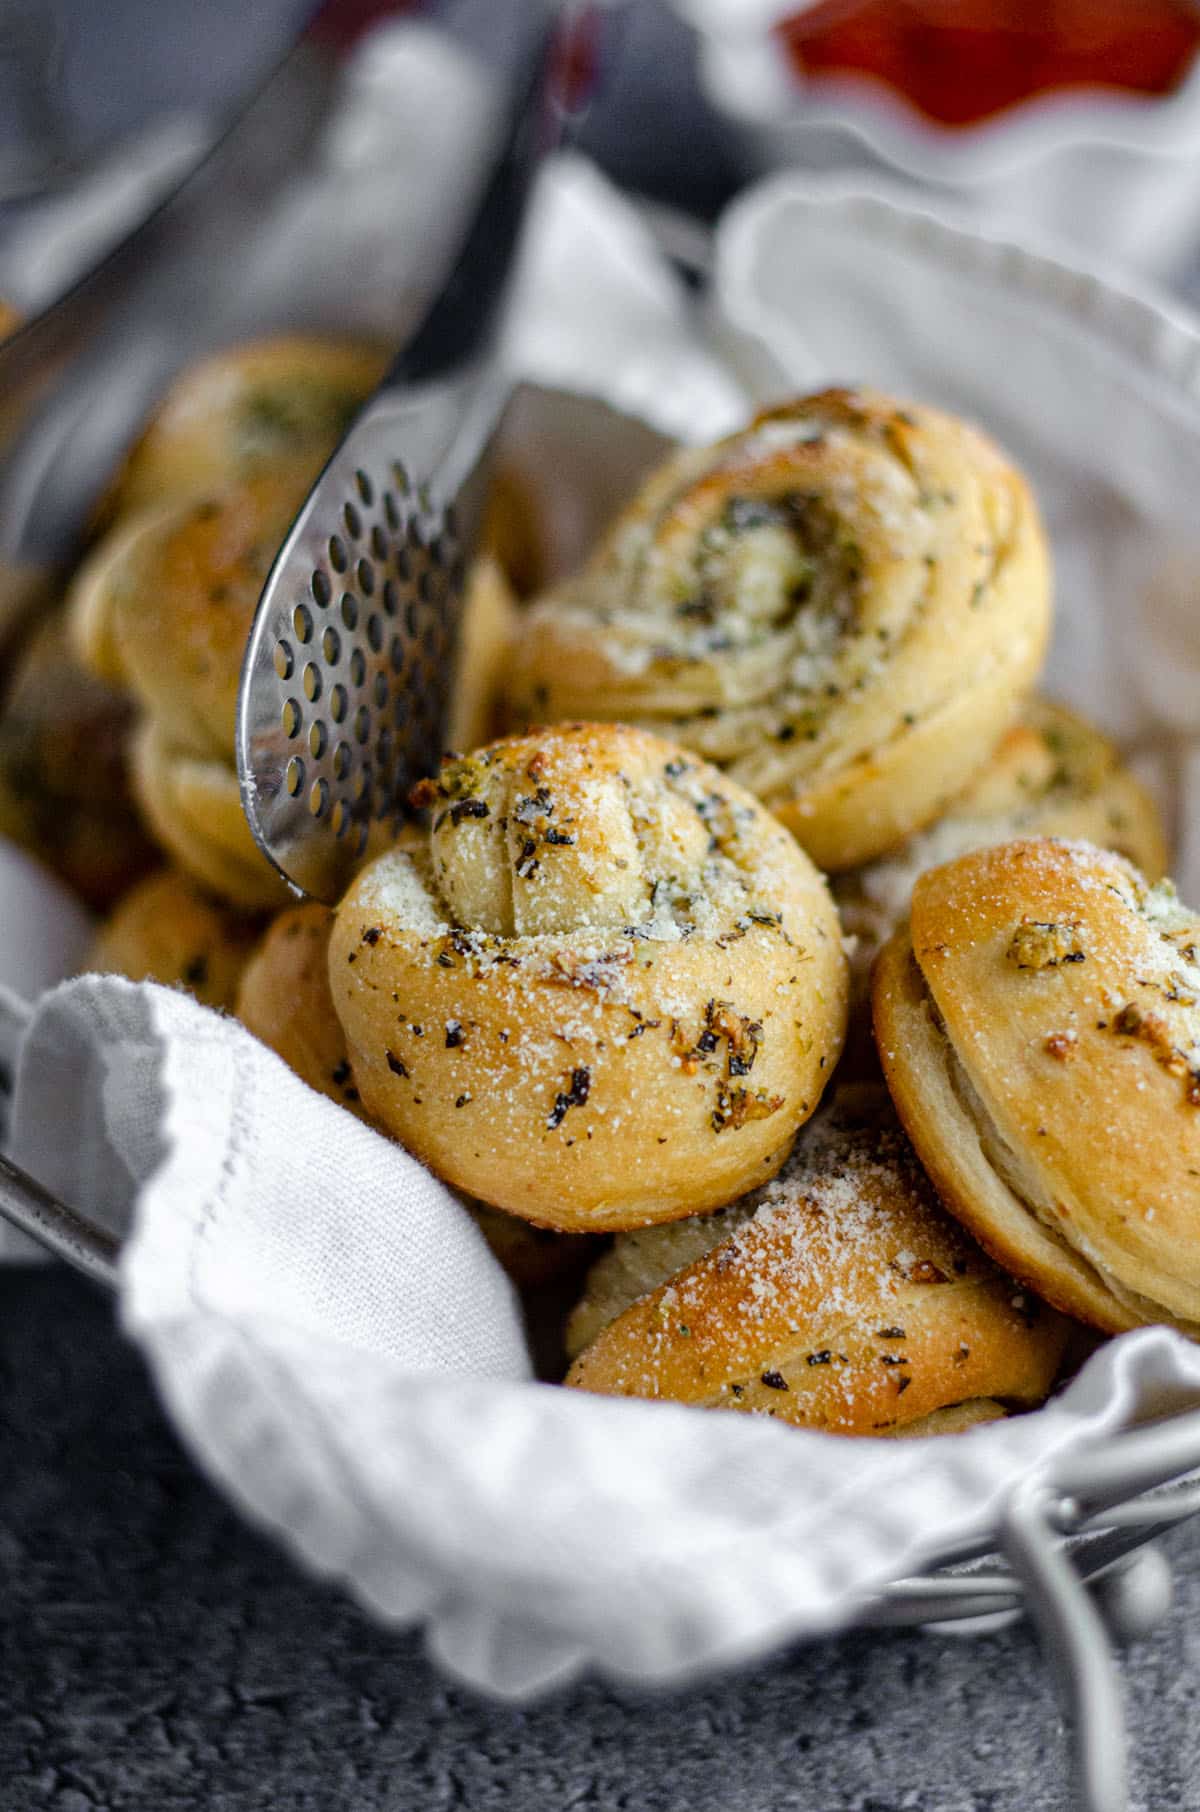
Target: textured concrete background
{"type": "Point", "coordinates": [158, 1657]}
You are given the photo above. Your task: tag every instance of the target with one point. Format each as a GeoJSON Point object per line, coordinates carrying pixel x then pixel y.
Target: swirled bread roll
{"type": "Point", "coordinates": [603, 989]}
{"type": "Point", "coordinates": [1040, 1034]}
{"type": "Point", "coordinates": [172, 611]}
{"type": "Point", "coordinates": [1053, 774]}
{"type": "Point", "coordinates": [842, 606]}
{"type": "Point", "coordinates": [838, 1296]}
{"type": "Point", "coordinates": [245, 408]}
{"type": "Point", "coordinates": [164, 605]}
{"type": "Point", "coordinates": [167, 930]}
{"type": "Point", "coordinates": [65, 792]}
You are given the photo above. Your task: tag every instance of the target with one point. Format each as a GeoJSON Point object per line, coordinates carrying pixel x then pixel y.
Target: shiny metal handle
{"type": "Point", "coordinates": [467, 310]}
{"type": "Point", "coordinates": [33, 1210]}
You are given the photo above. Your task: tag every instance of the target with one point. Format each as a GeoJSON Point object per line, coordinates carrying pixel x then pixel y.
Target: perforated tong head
{"type": "Point", "coordinates": [351, 660]}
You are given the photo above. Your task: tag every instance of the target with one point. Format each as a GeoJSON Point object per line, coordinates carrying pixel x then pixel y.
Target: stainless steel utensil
{"type": "Point", "coordinates": [350, 662]}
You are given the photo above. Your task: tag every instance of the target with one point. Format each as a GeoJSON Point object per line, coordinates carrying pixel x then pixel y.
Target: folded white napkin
{"type": "Point", "coordinates": [329, 1333]}
{"type": "Point", "coordinates": [339, 1349]}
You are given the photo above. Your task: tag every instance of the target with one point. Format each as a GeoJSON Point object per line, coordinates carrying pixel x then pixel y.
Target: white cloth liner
{"type": "Point", "coordinates": [328, 1331]}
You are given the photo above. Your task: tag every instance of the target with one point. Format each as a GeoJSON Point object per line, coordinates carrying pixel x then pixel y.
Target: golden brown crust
{"type": "Point", "coordinates": [64, 773]}
{"type": "Point", "coordinates": [284, 999]}
{"type": "Point", "coordinates": [603, 990]}
{"type": "Point", "coordinates": [839, 1296]}
{"type": "Point", "coordinates": [533, 1257]}
{"type": "Point", "coordinates": [166, 930]}
{"type": "Point", "coordinates": [172, 606]}
{"type": "Point", "coordinates": [1038, 1030]}
{"type": "Point", "coordinates": [244, 408]}
{"type": "Point", "coordinates": [1052, 774]}
{"type": "Point", "coordinates": [485, 638]}
{"type": "Point", "coordinates": [192, 807]}
{"type": "Point", "coordinates": [843, 606]}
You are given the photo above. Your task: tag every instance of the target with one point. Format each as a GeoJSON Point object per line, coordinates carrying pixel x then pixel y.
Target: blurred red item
{"type": "Point", "coordinates": [577, 57]}
{"type": "Point", "coordinates": [342, 22]}
{"type": "Point", "coordinates": [962, 61]}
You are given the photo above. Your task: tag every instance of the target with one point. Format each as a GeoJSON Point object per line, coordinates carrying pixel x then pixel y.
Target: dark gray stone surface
{"type": "Point", "coordinates": [157, 1656]}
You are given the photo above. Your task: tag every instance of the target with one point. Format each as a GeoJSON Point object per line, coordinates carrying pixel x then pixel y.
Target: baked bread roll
{"type": "Point", "coordinates": [1039, 1031]}
{"type": "Point", "coordinates": [603, 989]}
{"type": "Point", "coordinates": [65, 791]}
{"type": "Point", "coordinates": [169, 602]}
{"type": "Point", "coordinates": [842, 606]}
{"type": "Point", "coordinates": [838, 1296]}
{"type": "Point", "coordinates": [193, 808]}
{"type": "Point", "coordinates": [164, 605]}
{"type": "Point", "coordinates": [166, 930]}
{"type": "Point", "coordinates": [283, 997]}
{"type": "Point", "coordinates": [1053, 774]}
{"type": "Point", "coordinates": [487, 625]}
{"type": "Point", "coordinates": [245, 408]}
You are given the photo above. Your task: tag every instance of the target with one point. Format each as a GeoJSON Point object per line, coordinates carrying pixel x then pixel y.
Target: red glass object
{"type": "Point", "coordinates": [962, 61]}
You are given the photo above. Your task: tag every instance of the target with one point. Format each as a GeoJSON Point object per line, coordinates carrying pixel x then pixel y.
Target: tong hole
{"type": "Point", "coordinates": [366, 577]}
{"type": "Point", "coordinates": [381, 690]}
{"type": "Point", "coordinates": [404, 563]}
{"type": "Point", "coordinates": [341, 761]}
{"type": "Point", "coordinates": [401, 479]}
{"type": "Point", "coordinates": [316, 739]}
{"type": "Point", "coordinates": [318, 798]}
{"type": "Point", "coordinates": [391, 597]}
{"type": "Point", "coordinates": [291, 717]}
{"type": "Point", "coordinates": [362, 724]}
{"type": "Point", "coordinates": [358, 666]}
{"type": "Point", "coordinates": [284, 661]}
{"type": "Point", "coordinates": [352, 520]}
{"type": "Point", "coordinates": [339, 821]}
{"type": "Point", "coordinates": [331, 645]}
{"type": "Point", "coordinates": [366, 489]}
{"type": "Point", "coordinates": [379, 543]}
{"type": "Point", "coordinates": [375, 632]}
{"type": "Point", "coordinates": [312, 682]}
{"type": "Point", "coordinates": [391, 513]}
{"type": "Point", "coordinates": [337, 704]}
{"type": "Point", "coordinates": [294, 776]}
{"type": "Point", "coordinates": [302, 623]}
{"type": "Point", "coordinates": [322, 590]}
{"type": "Point", "coordinates": [349, 611]}
{"type": "Point", "coordinates": [338, 558]}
